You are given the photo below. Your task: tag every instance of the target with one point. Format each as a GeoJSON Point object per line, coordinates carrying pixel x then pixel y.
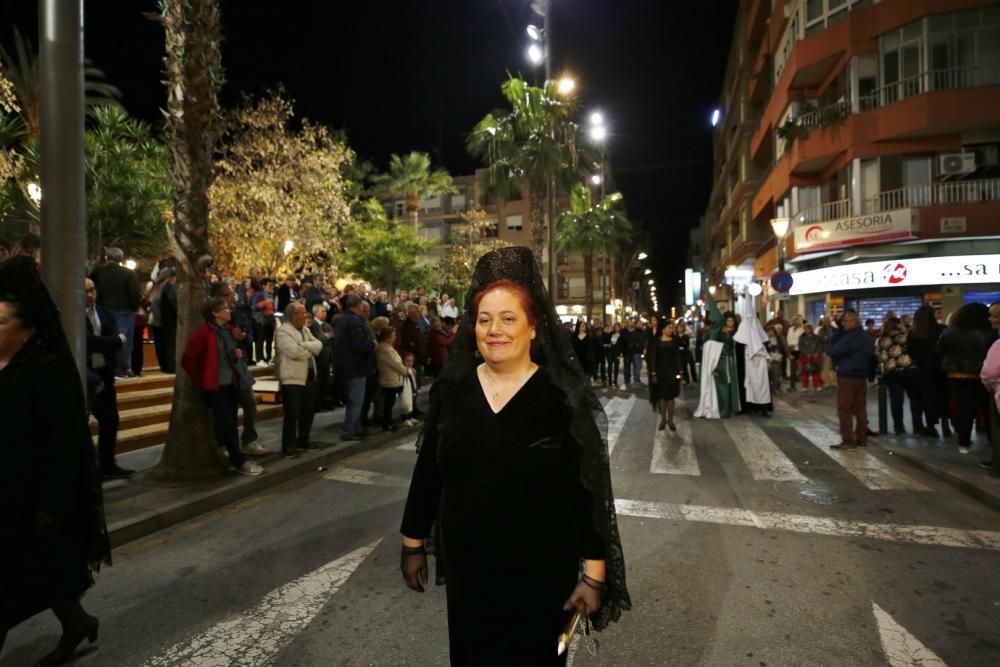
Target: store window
{"type": "Point", "coordinates": [515, 223]}
{"type": "Point", "coordinates": [878, 308]}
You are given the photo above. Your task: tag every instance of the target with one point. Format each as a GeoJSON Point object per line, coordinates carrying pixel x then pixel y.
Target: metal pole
{"type": "Point", "coordinates": [64, 242]}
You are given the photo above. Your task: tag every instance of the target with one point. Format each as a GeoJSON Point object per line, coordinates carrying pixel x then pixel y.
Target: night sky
{"type": "Point", "coordinates": [418, 74]}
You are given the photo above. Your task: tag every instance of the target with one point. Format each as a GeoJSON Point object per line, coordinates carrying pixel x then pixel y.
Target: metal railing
{"type": "Point", "coordinates": [925, 82]}
{"type": "Point", "coordinates": [934, 194]}
{"type": "Point", "coordinates": [833, 210]}
{"type": "Point", "coordinates": [824, 115]}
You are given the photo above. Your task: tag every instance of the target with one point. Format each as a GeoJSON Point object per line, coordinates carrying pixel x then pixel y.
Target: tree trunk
{"type": "Point", "coordinates": [536, 208]}
{"type": "Point", "coordinates": [193, 78]}
{"type": "Point", "coordinates": [413, 210]}
{"type": "Point", "coordinates": [588, 284]}
{"type": "Point", "coordinates": [604, 286]}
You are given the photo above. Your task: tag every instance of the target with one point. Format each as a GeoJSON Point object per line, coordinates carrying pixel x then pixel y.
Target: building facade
{"type": "Point", "coordinates": [874, 127]}
{"type": "Point", "coordinates": [441, 224]}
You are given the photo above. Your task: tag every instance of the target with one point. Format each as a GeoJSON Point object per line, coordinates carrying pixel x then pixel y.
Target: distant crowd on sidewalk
{"type": "Point", "coordinates": [948, 373]}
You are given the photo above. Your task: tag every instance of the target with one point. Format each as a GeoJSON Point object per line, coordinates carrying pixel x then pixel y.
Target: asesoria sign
{"type": "Point", "coordinates": [860, 230]}
{"type": "Point", "coordinates": [957, 270]}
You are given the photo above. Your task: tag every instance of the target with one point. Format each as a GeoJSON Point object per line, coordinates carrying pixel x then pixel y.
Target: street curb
{"type": "Point", "coordinates": [976, 492]}
{"type": "Point", "coordinates": [202, 502]}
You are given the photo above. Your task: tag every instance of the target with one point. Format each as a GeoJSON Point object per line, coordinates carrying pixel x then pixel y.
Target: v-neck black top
{"type": "Point", "coordinates": [514, 518]}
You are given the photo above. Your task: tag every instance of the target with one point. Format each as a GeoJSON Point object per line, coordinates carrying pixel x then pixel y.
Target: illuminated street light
{"type": "Point", "coordinates": [535, 33]}
{"type": "Point", "coordinates": [711, 289]}
{"type": "Point", "coordinates": [596, 179]}
{"type": "Point", "coordinates": [535, 54]}
{"type": "Point", "coordinates": [716, 116]}
{"type": "Point", "coordinates": [643, 255]}
{"type": "Point", "coordinates": [35, 192]}
{"type": "Point", "coordinates": [597, 118]}
{"type": "Point", "coordinates": [650, 281]}
{"type": "Point", "coordinates": [289, 244]}
{"type": "Point", "coordinates": [566, 85]}
{"type": "Point", "coordinates": [647, 272]}
{"type": "Point", "coordinates": [130, 264]}
{"type": "Point", "coordinates": [598, 133]}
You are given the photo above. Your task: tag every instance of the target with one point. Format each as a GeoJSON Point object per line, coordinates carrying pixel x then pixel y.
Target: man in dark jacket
{"type": "Point", "coordinates": [352, 352]}
{"type": "Point", "coordinates": [103, 343]}
{"type": "Point", "coordinates": [851, 352]}
{"type": "Point", "coordinates": [118, 291]}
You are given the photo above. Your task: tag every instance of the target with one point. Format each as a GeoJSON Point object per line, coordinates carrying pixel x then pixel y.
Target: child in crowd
{"type": "Point", "coordinates": [408, 402]}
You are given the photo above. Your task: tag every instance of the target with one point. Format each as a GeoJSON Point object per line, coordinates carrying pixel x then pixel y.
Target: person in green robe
{"type": "Point", "coordinates": [727, 385]}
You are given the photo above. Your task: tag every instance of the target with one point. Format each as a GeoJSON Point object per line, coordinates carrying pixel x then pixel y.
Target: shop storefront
{"type": "Point", "coordinates": [898, 285]}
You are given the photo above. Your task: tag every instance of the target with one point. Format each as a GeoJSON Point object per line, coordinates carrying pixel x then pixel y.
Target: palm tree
{"type": "Point", "coordinates": [23, 73]}
{"type": "Point", "coordinates": [411, 177]}
{"type": "Point", "coordinates": [535, 145]}
{"type": "Point", "coordinates": [193, 78]}
{"type": "Point", "coordinates": [588, 229]}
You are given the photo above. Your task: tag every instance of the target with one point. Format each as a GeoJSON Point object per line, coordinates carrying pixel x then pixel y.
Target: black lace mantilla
{"type": "Point", "coordinates": [588, 424]}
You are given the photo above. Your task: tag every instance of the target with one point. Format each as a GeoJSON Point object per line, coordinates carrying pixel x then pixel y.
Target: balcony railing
{"type": "Point", "coordinates": [833, 210]}
{"type": "Point", "coordinates": [925, 82]}
{"type": "Point", "coordinates": [932, 194]}
{"type": "Point", "coordinates": [935, 194]}
{"type": "Point", "coordinates": [831, 113]}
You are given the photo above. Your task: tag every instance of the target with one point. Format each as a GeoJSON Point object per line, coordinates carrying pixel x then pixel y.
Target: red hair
{"type": "Point", "coordinates": [527, 303]}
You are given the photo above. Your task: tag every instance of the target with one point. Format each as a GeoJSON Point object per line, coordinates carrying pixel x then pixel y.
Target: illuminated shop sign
{"type": "Point", "coordinates": [956, 270]}
{"type": "Point", "coordinates": [881, 227]}
{"type": "Point", "coordinates": [692, 286]}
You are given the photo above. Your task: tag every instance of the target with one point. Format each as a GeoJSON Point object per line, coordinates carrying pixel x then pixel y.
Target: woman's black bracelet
{"type": "Point", "coordinates": [413, 551]}
{"type": "Point", "coordinates": [593, 583]}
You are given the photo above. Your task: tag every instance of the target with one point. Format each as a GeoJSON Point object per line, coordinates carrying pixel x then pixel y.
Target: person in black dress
{"type": "Point", "coordinates": [688, 372]}
{"type": "Point", "coordinates": [665, 363]}
{"type": "Point", "coordinates": [51, 514]}
{"type": "Point", "coordinates": [513, 473]}
{"type": "Point", "coordinates": [583, 346]}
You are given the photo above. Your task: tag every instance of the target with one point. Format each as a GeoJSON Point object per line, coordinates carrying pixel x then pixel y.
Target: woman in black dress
{"type": "Point", "coordinates": [51, 514]}
{"type": "Point", "coordinates": [513, 469]}
{"type": "Point", "coordinates": [664, 361]}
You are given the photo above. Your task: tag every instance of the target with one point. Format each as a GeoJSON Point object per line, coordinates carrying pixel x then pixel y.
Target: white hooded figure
{"type": "Point", "coordinates": [751, 334]}
{"type": "Point", "coordinates": [708, 404]}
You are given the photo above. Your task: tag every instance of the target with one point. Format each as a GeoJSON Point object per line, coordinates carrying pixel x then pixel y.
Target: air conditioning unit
{"type": "Point", "coordinates": [951, 164]}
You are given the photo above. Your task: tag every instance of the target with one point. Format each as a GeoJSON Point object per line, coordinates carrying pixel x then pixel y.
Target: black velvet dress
{"type": "Point", "coordinates": [514, 518]}
{"type": "Point", "coordinates": [666, 363]}
{"type": "Point", "coordinates": [49, 466]}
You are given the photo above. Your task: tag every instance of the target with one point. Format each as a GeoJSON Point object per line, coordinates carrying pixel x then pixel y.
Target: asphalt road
{"type": "Point", "coordinates": [747, 544]}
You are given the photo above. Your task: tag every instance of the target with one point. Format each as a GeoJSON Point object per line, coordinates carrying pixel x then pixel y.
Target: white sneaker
{"type": "Point", "coordinates": [261, 364]}
{"type": "Point", "coordinates": [254, 449]}
{"type": "Point", "coordinates": [250, 468]}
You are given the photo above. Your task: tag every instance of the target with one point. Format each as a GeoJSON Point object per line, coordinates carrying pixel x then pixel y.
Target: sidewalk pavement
{"type": "Point", "coordinates": [137, 507]}
{"type": "Point", "coordinates": [938, 457]}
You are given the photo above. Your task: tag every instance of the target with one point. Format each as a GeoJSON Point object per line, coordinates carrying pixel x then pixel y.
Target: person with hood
{"type": "Point", "coordinates": [720, 396]}
{"type": "Point", "coordinates": [757, 360]}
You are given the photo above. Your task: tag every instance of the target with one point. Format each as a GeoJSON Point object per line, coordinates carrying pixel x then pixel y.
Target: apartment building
{"type": "Point", "coordinates": [874, 127]}
{"type": "Point", "coordinates": [441, 223]}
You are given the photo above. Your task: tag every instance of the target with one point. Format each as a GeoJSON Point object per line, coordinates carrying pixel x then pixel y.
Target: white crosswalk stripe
{"type": "Point", "coordinates": [617, 410]}
{"type": "Point", "coordinates": [764, 459]}
{"type": "Point", "coordinates": [673, 453]}
{"type": "Point", "coordinates": [863, 465]}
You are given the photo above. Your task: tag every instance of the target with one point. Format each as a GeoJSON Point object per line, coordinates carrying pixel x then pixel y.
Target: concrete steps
{"type": "Point", "coordinates": [144, 406]}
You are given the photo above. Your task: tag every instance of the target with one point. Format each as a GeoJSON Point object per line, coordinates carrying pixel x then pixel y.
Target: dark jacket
{"type": "Point", "coordinates": [285, 296]}
{"type": "Point", "coordinates": [117, 287]}
{"type": "Point", "coordinates": [412, 341]}
{"type": "Point", "coordinates": [438, 343]}
{"type": "Point", "coordinates": [635, 341]}
{"type": "Point", "coordinates": [353, 347]}
{"type": "Point", "coordinates": [923, 351]}
{"type": "Point", "coordinates": [851, 353]}
{"type": "Point", "coordinates": [964, 350]}
{"type": "Point", "coordinates": [105, 342]}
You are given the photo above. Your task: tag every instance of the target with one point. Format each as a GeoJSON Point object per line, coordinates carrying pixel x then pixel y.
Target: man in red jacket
{"type": "Point", "coordinates": [210, 358]}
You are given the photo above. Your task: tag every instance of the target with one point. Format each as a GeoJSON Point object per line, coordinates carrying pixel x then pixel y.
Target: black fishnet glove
{"type": "Point", "coordinates": [413, 565]}
{"type": "Point", "coordinates": [587, 594]}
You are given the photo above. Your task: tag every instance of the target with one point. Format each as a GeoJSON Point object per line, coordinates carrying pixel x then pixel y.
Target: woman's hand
{"type": "Point", "coordinates": [413, 565]}
{"type": "Point", "coordinates": [587, 594]}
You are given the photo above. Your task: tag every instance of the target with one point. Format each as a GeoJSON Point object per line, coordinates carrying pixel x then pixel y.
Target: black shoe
{"type": "Point", "coordinates": [671, 426]}
{"type": "Point", "coordinates": [661, 426]}
{"type": "Point", "coordinates": [987, 464]}
{"type": "Point", "coordinates": [69, 642]}
{"type": "Point", "coordinates": [116, 472]}
{"type": "Point", "coordinates": [311, 447]}
{"type": "Point", "coordinates": [844, 445]}
{"type": "Point", "coordinates": [899, 431]}
{"type": "Point", "coordinates": [291, 454]}
{"type": "Point", "coordinates": [871, 434]}
{"type": "Point", "coordinates": [945, 431]}
{"type": "Point", "coordinates": [929, 431]}
{"type": "Point", "coordinates": [390, 429]}
{"type": "Point", "coordinates": [352, 438]}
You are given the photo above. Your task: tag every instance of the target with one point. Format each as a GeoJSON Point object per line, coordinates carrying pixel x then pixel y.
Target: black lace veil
{"type": "Point", "coordinates": [588, 425]}
{"type": "Point", "coordinates": [19, 280]}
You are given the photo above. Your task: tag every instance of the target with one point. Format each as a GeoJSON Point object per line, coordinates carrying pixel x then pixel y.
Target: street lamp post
{"type": "Point", "coordinates": [780, 228]}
